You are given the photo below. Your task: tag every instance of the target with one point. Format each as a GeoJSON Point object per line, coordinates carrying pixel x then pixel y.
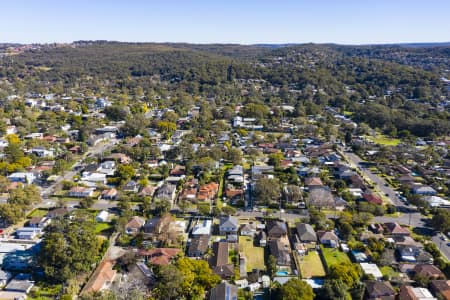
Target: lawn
{"type": "Point", "coordinates": [254, 255]}
{"type": "Point", "coordinates": [334, 256]}
{"type": "Point", "coordinates": [311, 265]}
{"type": "Point", "coordinates": [102, 228]}
{"type": "Point", "coordinates": [388, 271]}
{"type": "Point", "coordinates": [44, 292]}
{"type": "Point", "coordinates": [384, 140]}
{"type": "Point", "coordinates": [38, 212]}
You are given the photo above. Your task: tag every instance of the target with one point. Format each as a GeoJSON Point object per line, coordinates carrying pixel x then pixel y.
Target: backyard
{"type": "Point", "coordinates": [254, 255]}
{"type": "Point", "coordinates": [333, 256]}
{"type": "Point", "coordinates": [311, 265]}
{"type": "Point", "coordinates": [384, 140]}
{"type": "Point", "coordinates": [38, 212]}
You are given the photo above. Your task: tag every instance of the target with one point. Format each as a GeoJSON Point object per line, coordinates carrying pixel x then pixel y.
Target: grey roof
{"type": "Point", "coordinates": [16, 285]}
{"type": "Point", "coordinates": [224, 291]}
{"type": "Point", "coordinates": [229, 221]}
{"type": "Point", "coordinates": [306, 232]}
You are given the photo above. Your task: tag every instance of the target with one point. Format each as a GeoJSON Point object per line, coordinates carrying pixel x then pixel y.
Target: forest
{"type": "Point", "coordinates": [391, 88]}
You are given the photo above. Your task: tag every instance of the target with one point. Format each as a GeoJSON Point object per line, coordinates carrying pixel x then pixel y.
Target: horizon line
{"type": "Point", "coordinates": [233, 43]}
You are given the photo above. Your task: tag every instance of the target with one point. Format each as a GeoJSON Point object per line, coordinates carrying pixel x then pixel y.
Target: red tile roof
{"type": "Point", "coordinates": [160, 256]}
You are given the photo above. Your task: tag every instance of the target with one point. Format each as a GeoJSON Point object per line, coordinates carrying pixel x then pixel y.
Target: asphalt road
{"type": "Point", "coordinates": [442, 245]}
{"type": "Point", "coordinates": [410, 216]}
{"type": "Point", "coordinates": [68, 175]}
{"type": "Point", "coordinates": [381, 184]}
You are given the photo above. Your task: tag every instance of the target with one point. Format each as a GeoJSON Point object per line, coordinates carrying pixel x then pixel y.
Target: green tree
{"type": "Point", "coordinates": [334, 289]}
{"type": "Point", "coordinates": [267, 190]}
{"type": "Point", "coordinates": [68, 249]}
{"type": "Point", "coordinates": [275, 159]}
{"type": "Point", "coordinates": [296, 289]}
{"type": "Point", "coordinates": [170, 280]}
{"type": "Point", "coordinates": [125, 173]}
{"type": "Point", "coordinates": [441, 220]}
{"type": "Point", "coordinates": [235, 156]}
{"type": "Point", "coordinates": [271, 265]}
{"type": "Point", "coordinates": [347, 272]}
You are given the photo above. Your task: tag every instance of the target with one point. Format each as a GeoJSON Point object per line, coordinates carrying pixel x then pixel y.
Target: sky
{"type": "Point", "coordinates": [226, 21]}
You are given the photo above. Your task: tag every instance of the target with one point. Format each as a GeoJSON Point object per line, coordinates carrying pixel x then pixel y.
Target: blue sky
{"type": "Point", "coordinates": [227, 21]}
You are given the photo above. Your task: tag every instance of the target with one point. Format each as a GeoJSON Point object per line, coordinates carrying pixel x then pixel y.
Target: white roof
{"type": "Point", "coordinates": [203, 228]}
{"type": "Point", "coordinates": [103, 214]}
{"type": "Point", "coordinates": [423, 294]}
{"type": "Point", "coordinates": [371, 269]}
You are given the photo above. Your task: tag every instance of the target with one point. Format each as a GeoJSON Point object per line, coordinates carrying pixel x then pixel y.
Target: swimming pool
{"type": "Point", "coordinates": [282, 273]}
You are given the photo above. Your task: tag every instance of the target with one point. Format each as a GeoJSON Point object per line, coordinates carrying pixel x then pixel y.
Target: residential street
{"type": "Point", "coordinates": [409, 216]}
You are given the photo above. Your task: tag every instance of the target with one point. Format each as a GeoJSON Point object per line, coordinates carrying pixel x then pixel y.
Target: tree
{"type": "Point", "coordinates": [235, 156]}
{"type": "Point", "coordinates": [170, 282]}
{"type": "Point", "coordinates": [347, 272]}
{"type": "Point", "coordinates": [275, 159]}
{"type": "Point", "coordinates": [116, 113]}
{"type": "Point", "coordinates": [11, 213]}
{"type": "Point", "coordinates": [293, 193]}
{"type": "Point", "coordinates": [125, 173]}
{"type": "Point", "coordinates": [271, 265]}
{"type": "Point", "coordinates": [267, 190]}
{"type": "Point", "coordinates": [334, 289]}
{"type": "Point", "coordinates": [68, 249]}
{"type": "Point", "coordinates": [197, 277]}
{"type": "Point", "coordinates": [441, 220]}
{"type": "Point", "coordinates": [297, 289]}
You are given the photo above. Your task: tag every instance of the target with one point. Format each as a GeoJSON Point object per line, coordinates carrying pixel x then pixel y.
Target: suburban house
{"type": "Point", "coordinates": [28, 233]}
{"type": "Point", "coordinates": [102, 216]}
{"type": "Point", "coordinates": [408, 292]}
{"type": "Point", "coordinates": [410, 253]}
{"type": "Point", "coordinates": [328, 238]}
{"type": "Point", "coordinates": [166, 192]}
{"type": "Point", "coordinates": [224, 291]}
{"type": "Point", "coordinates": [208, 191]}
{"type": "Point", "coordinates": [198, 246]}
{"type": "Point", "coordinates": [372, 198]}
{"type": "Point", "coordinates": [81, 192]}
{"type": "Point", "coordinates": [94, 177]}
{"type": "Point", "coordinates": [109, 194]}
{"type": "Point", "coordinates": [102, 278]}
{"type": "Point", "coordinates": [131, 187]}
{"type": "Point", "coordinates": [441, 288]}
{"type": "Point", "coordinates": [424, 190]}
{"type": "Point", "coordinates": [219, 260]}
{"type": "Point", "coordinates": [306, 233]}
{"type": "Point", "coordinates": [321, 197]}
{"type": "Point", "coordinates": [57, 213]}
{"type": "Point", "coordinates": [159, 256]}
{"type": "Point", "coordinates": [134, 225]}
{"type": "Point", "coordinates": [202, 228]}
{"type": "Point", "coordinates": [429, 271]}
{"type": "Point", "coordinates": [279, 251]}
{"type": "Point", "coordinates": [228, 225]}
{"type": "Point", "coordinates": [276, 229]}
{"type": "Point", "coordinates": [371, 269]}
{"type": "Point", "coordinates": [379, 290]}
{"type": "Point", "coordinates": [248, 230]}
{"type": "Point", "coordinates": [39, 222]}
{"type": "Point", "coordinates": [395, 229]}
{"type": "Point", "coordinates": [24, 177]}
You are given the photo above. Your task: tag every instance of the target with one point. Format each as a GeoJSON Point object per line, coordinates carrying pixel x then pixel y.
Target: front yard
{"type": "Point", "coordinates": [311, 265]}
{"type": "Point", "coordinates": [254, 255]}
{"type": "Point", "coordinates": [334, 256]}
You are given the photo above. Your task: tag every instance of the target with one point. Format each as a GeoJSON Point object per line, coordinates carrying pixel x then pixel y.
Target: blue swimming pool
{"type": "Point", "coordinates": [282, 273]}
